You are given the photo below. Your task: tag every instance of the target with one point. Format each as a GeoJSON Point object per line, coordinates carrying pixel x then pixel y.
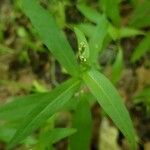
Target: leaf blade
{"type": "Point", "coordinates": [51, 35]}
{"type": "Point", "coordinates": [111, 102]}
{"type": "Point", "coordinates": [97, 39]}
{"type": "Point", "coordinates": [59, 97]}
{"type": "Point", "coordinates": [141, 49]}
{"type": "Point", "coordinates": [82, 121]}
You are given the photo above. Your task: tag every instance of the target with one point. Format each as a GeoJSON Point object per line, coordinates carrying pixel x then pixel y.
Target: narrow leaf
{"type": "Point", "coordinates": [83, 46]}
{"type": "Point", "coordinates": [141, 15]}
{"type": "Point", "coordinates": [123, 32]}
{"type": "Point", "coordinates": [141, 49]}
{"type": "Point", "coordinates": [111, 9]}
{"type": "Point", "coordinates": [57, 99]}
{"type": "Point", "coordinates": [51, 137]}
{"type": "Point", "coordinates": [83, 123]}
{"type": "Point", "coordinates": [87, 28]}
{"type": "Point", "coordinates": [92, 14]}
{"type": "Point", "coordinates": [51, 35]}
{"type": "Point", "coordinates": [117, 67]}
{"type": "Point", "coordinates": [19, 107]}
{"type": "Point", "coordinates": [111, 102]}
{"type": "Point", "coordinates": [97, 39]}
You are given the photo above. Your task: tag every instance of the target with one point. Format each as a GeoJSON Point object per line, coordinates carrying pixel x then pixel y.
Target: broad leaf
{"type": "Point", "coordinates": [111, 102]}
{"type": "Point", "coordinates": [83, 123]}
{"type": "Point", "coordinates": [57, 99]}
{"type": "Point", "coordinates": [141, 49]}
{"type": "Point", "coordinates": [51, 35]}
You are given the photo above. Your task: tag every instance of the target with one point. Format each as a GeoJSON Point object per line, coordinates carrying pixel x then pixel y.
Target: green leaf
{"type": "Point", "coordinates": [91, 14]}
{"type": "Point", "coordinates": [82, 121]}
{"type": "Point", "coordinates": [111, 102]}
{"type": "Point", "coordinates": [141, 49]}
{"type": "Point", "coordinates": [144, 93]}
{"type": "Point", "coordinates": [117, 67]}
{"type": "Point", "coordinates": [97, 39]}
{"type": "Point", "coordinates": [19, 107]}
{"type": "Point", "coordinates": [129, 32]}
{"type": "Point", "coordinates": [57, 99]}
{"type": "Point", "coordinates": [6, 133]}
{"type": "Point", "coordinates": [52, 37]}
{"type": "Point", "coordinates": [123, 32]}
{"type": "Point", "coordinates": [86, 28]}
{"type": "Point", "coordinates": [134, 2]}
{"type": "Point", "coordinates": [83, 46]}
{"type": "Point", "coordinates": [51, 137]}
{"type": "Point", "coordinates": [111, 9]}
{"type": "Point", "coordinates": [141, 15]}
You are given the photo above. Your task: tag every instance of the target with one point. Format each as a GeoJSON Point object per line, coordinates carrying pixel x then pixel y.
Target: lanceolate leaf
{"type": "Point", "coordinates": [141, 15]}
{"type": "Point", "coordinates": [82, 121]}
{"type": "Point", "coordinates": [111, 8]}
{"type": "Point", "coordinates": [91, 14]}
{"type": "Point", "coordinates": [57, 99]}
{"type": "Point", "coordinates": [19, 107]}
{"type": "Point", "coordinates": [97, 39]}
{"type": "Point", "coordinates": [141, 49]}
{"type": "Point", "coordinates": [51, 137]}
{"type": "Point", "coordinates": [111, 102]}
{"type": "Point", "coordinates": [117, 66]}
{"type": "Point", "coordinates": [83, 46]}
{"type": "Point", "coordinates": [51, 35]}
{"type": "Point", "coordinates": [87, 28]}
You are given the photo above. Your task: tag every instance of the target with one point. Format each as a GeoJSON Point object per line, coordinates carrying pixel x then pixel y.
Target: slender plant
{"type": "Point", "coordinates": [36, 109]}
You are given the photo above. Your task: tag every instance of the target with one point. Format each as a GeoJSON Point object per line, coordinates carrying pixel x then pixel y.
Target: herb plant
{"type": "Point", "coordinates": [36, 109]}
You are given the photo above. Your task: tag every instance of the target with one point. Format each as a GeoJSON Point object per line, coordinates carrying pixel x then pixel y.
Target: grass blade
{"type": "Point", "coordinates": [57, 99]}
{"type": "Point", "coordinates": [83, 46]}
{"type": "Point", "coordinates": [97, 39]}
{"type": "Point", "coordinates": [111, 102]}
{"type": "Point", "coordinates": [83, 123]}
{"type": "Point", "coordinates": [51, 35]}
{"type": "Point", "coordinates": [117, 67]}
{"type": "Point", "coordinates": [141, 49]}
{"type": "Point", "coordinates": [91, 14]}
{"type": "Point", "coordinates": [51, 137]}
{"type": "Point", "coordinates": [111, 9]}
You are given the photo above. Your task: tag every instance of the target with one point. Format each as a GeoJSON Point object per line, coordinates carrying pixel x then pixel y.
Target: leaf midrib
{"type": "Point", "coordinates": [109, 101]}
